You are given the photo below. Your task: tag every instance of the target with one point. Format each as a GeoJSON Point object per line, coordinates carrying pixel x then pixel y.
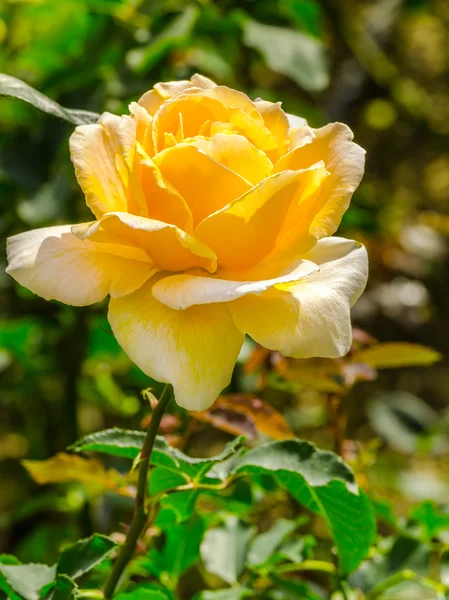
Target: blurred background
{"type": "Point", "coordinates": [382, 66]}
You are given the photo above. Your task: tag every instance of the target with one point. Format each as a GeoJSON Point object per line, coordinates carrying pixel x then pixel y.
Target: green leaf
{"type": "Point", "coordinates": [8, 559]}
{"type": "Point", "coordinates": [127, 444]}
{"type": "Point", "coordinates": [316, 467]}
{"type": "Point", "coordinates": [297, 550]}
{"type": "Point", "coordinates": [224, 549]}
{"type": "Point", "coordinates": [291, 53]}
{"type": "Point", "coordinates": [182, 504]}
{"type": "Point", "coordinates": [444, 568]}
{"type": "Point", "coordinates": [263, 546]}
{"type": "Point", "coordinates": [404, 553]}
{"type": "Point", "coordinates": [394, 355]}
{"type": "Point", "coordinates": [323, 483]}
{"type": "Point", "coordinates": [385, 512]}
{"type": "Point", "coordinates": [407, 423]}
{"type": "Point", "coordinates": [141, 594]}
{"type": "Point", "coordinates": [305, 13]}
{"type": "Point", "coordinates": [163, 479]}
{"type": "Point", "coordinates": [287, 589]}
{"type": "Point", "coordinates": [181, 549]}
{"type": "Point", "coordinates": [15, 88]}
{"type": "Point", "coordinates": [349, 517]}
{"type": "Point", "coordinates": [84, 555]}
{"type": "Point", "coordinates": [234, 593]}
{"type": "Point", "coordinates": [27, 580]}
{"type": "Point", "coordinates": [433, 520]}
{"type": "Point", "coordinates": [64, 589]}
{"type": "Point", "coordinates": [174, 35]}
{"type": "Point", "coordinates": [115, 442]}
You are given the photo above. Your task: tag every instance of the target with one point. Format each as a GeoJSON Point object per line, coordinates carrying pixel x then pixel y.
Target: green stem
{"type": "Point", "coordinates": [398, 578]}
{"type": "Point", "coordinates": [307, 565]}
{"type": "Point", "coordinates": [342, 589]}
{"type": "Point", "coordinates": [140, 515]}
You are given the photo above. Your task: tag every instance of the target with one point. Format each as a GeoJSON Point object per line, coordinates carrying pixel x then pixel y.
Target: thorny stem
{"type": "Point", "coordinates": [338, 420]}
{"type": "Point", "coordinates": [141, 512]}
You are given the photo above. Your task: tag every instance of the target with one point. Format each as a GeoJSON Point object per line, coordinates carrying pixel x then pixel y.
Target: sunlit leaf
{"type": "Point", "coordinates": [27, 580]}
{"type": "Point", "coordinates": [316, 467]}
{"type": "Point", "coordinates": [8, 559]}
{"type": "Point", "coordinates": [405, 553]}
{"type": "Point", "coordinates": [245, 414]}
{"type": "Point", "coordinates": [321, 374]}
{"type": "Point", "coordinates": [66, 467]}
{"type": "Point", "coordinates": [118, 442]}
{"type": "Point", "coordinates": [397, 354]}
{"type": "Point", "coordinates": [323, 483]}
{"type": "Point", "coordinates": [15, 88]}
{"type": "Point", "coordinates": [291, 53]}
{"type": "Point", "coordinates": [265, 544]}
{"type": "Point", "coordinates": [297, 549]}
{"type": "Point", "coordinates": [234, 593]}
{"type": "Point", "coordinates": [406, 422]}
{"type": "Point", "coordinates": [224, 549]}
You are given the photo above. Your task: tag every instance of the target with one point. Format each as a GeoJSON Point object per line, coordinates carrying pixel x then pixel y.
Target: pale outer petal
{"type": "Point", "coordinates": [309, 318]}
{"type": "Point", "coordinates": [195, 350]}
{"type": "Point", "coordinates": [56, 265]}
{"type": "Point", "coordinates": [296, 122]}
{"type": "Point", "coordinates": [182, 291]}
{"type": "Point", "coordinates": [93, 149]}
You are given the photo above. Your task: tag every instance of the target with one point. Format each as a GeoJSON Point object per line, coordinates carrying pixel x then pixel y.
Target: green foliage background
{"type": "Point", "coordinates": [380, 66]}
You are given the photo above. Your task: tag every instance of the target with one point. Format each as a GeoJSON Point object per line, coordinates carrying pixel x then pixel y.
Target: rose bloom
{"type": "Point", "coordinates": [213, 220]}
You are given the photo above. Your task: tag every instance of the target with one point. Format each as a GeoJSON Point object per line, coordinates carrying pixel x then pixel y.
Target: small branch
{"type": "Point", "coordinates": [140, 515]}
{"type": "Point", "coordinates": [401, 577]}
{"type": "Point", "coordinates": [338, 421]}
{"type": "Point", "coordinates": [307, 565]}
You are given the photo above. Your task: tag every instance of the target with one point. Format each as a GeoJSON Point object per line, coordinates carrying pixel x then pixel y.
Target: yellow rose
{"type": "Point", "coordinates": [213, 216]}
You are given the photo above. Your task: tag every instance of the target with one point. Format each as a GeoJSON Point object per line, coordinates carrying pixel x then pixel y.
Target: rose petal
{"type": "Point", "coordinates": [238, 155]}
{"type": "Point", "coordinates": [195, 350]}
{"type": "Point", "coordinates": [93, 150]}
{"type": "Point", "coordinates": [166, 245]}
{"type": "Point", "coordinates": [310, 317]}
{"type": "Point", "coordinates": [55, 264]}
{"type": "Point", "coordinates": [245, 231]}
{"type": "Point", "coordinates": [182, 291]}
{"type": "Point", "coordinates": [163, 201]}
{"type": "Point", "coordinates": [204, 184]}
{"type": "Point", "coordinates": [345, 162]}
{"type": "Point", "coordinates": [276, 120]}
